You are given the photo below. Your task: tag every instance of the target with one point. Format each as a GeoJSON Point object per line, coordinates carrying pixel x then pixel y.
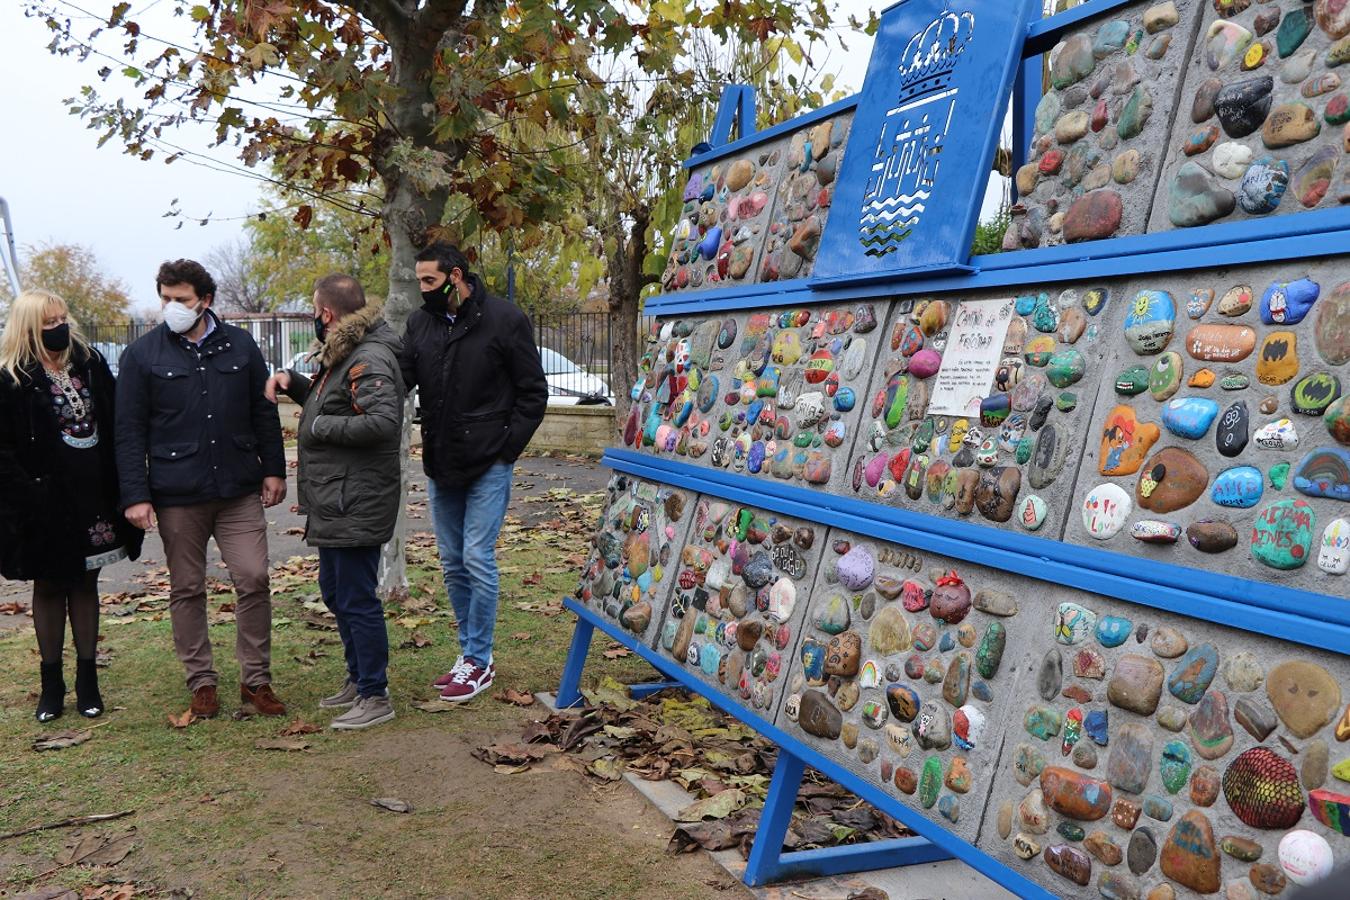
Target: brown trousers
{"type": "Point", "coordinates": [240, 530]}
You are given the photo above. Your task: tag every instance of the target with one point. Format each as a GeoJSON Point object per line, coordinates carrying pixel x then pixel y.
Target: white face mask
{"type": "Point", "coordinates": [179, 318]}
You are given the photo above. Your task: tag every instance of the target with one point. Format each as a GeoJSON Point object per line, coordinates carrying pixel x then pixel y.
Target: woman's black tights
{"type": "Point", "coordinates": [53, 601]}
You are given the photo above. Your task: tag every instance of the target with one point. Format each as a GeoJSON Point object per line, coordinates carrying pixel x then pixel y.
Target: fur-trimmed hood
{"type": "Point", "coordinates": [348, 333]}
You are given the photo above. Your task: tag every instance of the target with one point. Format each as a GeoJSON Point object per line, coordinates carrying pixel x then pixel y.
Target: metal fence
{"type": "Point", "coordinates": [279, 337]}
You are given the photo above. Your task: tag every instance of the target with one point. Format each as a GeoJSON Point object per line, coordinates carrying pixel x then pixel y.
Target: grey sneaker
{"type": "Point", "coordinates": [366, 712]}
{"type": "Point", "coordinates": [342, 699]}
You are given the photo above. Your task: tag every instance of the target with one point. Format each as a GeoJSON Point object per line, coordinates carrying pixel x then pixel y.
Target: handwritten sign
{"type": "Point", "coordinates": [974, 349]}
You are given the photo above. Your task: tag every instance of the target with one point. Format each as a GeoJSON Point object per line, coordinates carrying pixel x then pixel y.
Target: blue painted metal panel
{"type": "Point", "coordinates": [939, 836]}
{"type": "Point", "coordinates": [768, 134]}
{"type": "Point", "coordinates": [895, 853]}
{"type": "Point", "coordinates": [905, 199]}
{"type": "Point", "coordinates": [1319, 620]}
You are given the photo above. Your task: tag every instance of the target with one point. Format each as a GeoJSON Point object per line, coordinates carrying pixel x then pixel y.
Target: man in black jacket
{"type": "Point", "coordinates": [200, 448]}
{"type": "Point", "coordinates": [473, 359]}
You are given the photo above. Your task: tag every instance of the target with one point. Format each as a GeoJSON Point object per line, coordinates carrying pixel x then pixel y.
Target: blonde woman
{"type": "Point", "coordinates": [59, 521]}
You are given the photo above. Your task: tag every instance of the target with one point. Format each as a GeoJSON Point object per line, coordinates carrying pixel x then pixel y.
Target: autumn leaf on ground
{"type": "Point", "coordinates": [107, 892]}
{"type": "Point", "coordinates": [511, 770]}
{"type": "Point", "coordinates": [299, 727]}
{"type": "Point", "coordinates": [393, 804]}
{"type": "Point", "coordinates": [287, 744]}
{"type": "Point", "coordinates": [61, 740]}
{"type": "Point", "coordinates": [416, 642]}
{"type": "Point", "coordinates": [436, 706]}
{"type": "Point", "coordinates": [607, 768]}
{"type": "Point", "coordinates": [617, 651]}
{"type": "Point", "coordinates": [521, 636]}
{"type": "Point", "coordinates": [12, 608]}
{"type": "Point", "coordinates": [182, 720]}
{"type": "Point", "coordinates": [718, 806]}
{"type": "Point", "coordinates": [99, 850]}
{"type": "Point", "coordinates": [533, 579]}
{"type": "Point", "coordinates": [519, 698]}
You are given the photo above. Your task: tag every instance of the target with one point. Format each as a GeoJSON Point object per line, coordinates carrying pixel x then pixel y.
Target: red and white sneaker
{"type": "Point", "coordinates": [468, 682]}
{"type": "Point", "coordinates": [445, 679]}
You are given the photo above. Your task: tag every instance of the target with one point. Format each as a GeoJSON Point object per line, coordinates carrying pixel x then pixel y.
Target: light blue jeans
{"type": "Point", "coordinates": [467, 520]}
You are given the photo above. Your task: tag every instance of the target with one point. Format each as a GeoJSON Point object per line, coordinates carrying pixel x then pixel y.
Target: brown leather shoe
{"type": "Point", "coordinates": [205, 703]}
{"type": "Point", "coordinates": [262, 699]}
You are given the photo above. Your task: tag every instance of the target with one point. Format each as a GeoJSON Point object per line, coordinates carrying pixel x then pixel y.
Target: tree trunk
{"type": "Point", "coordinates": [625, 301]}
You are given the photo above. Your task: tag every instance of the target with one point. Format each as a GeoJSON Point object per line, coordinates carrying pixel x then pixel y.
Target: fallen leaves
{"type": "Point", "coordinates": [183, 719]}
{"type": "Point", "coordinates": [616, 651]}
{"type": "Point", "coordinates": [393, 804]}
{"type": "Point", "coordinates": [61, 740]}
{"type": "Point", "coordinates": [435, 706]}
{"type": "Point", "coordinates": [519, 698]}
{"type": "Point", "coordinates": [417, 641]}
{"type": "Point", "coordinates": [98, 849]}
{"type": "Point", "coordinates": [299, 727]}
{"type": "Point", "coordinates": [12, 608]}
{"type": "Point", "coordinates": [288, 745]}
{"type": "Point", "coordinates": [717, 806]}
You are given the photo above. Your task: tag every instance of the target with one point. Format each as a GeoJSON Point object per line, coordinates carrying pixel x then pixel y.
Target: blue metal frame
{"type": "Point", "coordinates": [755, 138]}
{"type": "Point", "coordinates": [767, 861]}
{"type": "Point", "coordinates": [1321, 621]}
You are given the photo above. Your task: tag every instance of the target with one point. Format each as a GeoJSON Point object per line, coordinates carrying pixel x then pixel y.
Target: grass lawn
{"type": "Point", "coordinates": [217, 817]}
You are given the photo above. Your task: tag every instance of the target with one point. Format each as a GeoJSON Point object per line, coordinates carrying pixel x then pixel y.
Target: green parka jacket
{"type": "Point", "coordinates": [350, 434]}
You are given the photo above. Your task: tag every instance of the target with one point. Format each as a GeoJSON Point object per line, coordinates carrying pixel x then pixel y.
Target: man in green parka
{"type": "Point", "coordinates": [350, 431]}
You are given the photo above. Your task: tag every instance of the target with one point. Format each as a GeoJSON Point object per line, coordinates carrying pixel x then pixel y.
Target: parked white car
{"type": "Point", "coordinates": [569, 384]}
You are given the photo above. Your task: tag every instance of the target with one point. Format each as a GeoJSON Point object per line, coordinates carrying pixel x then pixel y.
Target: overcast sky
{"type": "Point", "coordinates": [62, 188]}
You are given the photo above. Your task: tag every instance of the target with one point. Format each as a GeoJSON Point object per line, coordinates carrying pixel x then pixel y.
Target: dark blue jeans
{"type": "Point", "coordinates": [347, 578]}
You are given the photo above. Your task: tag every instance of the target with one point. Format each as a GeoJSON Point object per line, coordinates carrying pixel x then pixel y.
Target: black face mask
{"type": "Point", "coordinates": [56, 340]}
{"type": "Point", "coordinates": [437, 300]}
{"type": "Point", "coordinates": [320, 329]}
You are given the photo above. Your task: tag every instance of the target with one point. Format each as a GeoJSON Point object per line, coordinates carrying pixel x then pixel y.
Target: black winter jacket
{"type": "Point", "coordinates": [193, 425]}
{"type": "Point", "coordinates": [351, 434]}
{"type": "Point", "coordinates": [480, 383]}
{"type": "Point", "coordinates": [39, 534]}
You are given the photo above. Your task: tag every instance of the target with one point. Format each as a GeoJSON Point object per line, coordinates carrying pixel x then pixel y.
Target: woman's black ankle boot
{"type": "Point", "coordinates": [53, 692]}
{"type": "Point", "coordinates": [87, 698]}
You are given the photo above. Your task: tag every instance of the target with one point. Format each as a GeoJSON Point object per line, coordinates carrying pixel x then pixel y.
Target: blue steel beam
{"type": "Point", "coordinates": [919, 824]}
{"type": "Point", "coordinates": [1044, 34]}
{"type": "Point", "coordinates": [1322, 621]}
{"type": "Point", "coordinates": [759, 137]}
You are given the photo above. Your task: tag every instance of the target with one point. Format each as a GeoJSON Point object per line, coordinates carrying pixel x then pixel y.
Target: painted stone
{"type": "Point", "coordinates": [1105, 510]}
{"type": "Point", "coordinates": [1193, 673]}
{"type": "Point", "coordinates": [930, 781]}
{"type": "Point", "coordinates": [1172, 479]}
{"type": "Point", "coordinates": [1254, 716]}
{"type": "Point", "coordinates": [1331, 809]}
{"type": "Point", "coordinates": [1165, 376]}
{"type": "Point", "coordinates": [1075, 795]}
{"type": "Point", "coordinates": [1235, 381]}
{"type": "Point", "coordinates": [1131, 758]}
{"type": "Point", "coordinates": [1287, 303]}
{"type": "Point", "coordinates": [1173, 718]}
{"type": "Point", "coordinates": [1027, 765]}
{"type": "Point", "coordinates": [1032, 512]}
{"type": "Point", "coordinates": [968, 725]}
{"type": "Point", "coordinates": [1149, 324]}
{"type": "Point", "coordinates": [818, 716]}
{"type": "Point", "coordinates": [1048, 456]}
{"type": "Point", "coordinates": [1097, 214]}
{"type": "Point", "coordinates": [1088, 663]}
{"type": "Point", "coordinates": [1278, 360]}
{"type": "Point", "coordinates": [889, 632]}
{"type": "Point", "coordinates": [1189, 856]}
{"type": "Point", "coordinates": [1314, 393]}
{"type": "Point", "coordinates": [933, 727]}
{"type": "Point", "coordinates": [1225, 42]}
{"type": "Point", "coordinates": [1316, 764]}
{"type": "Point", "coordinates": [856, 568]}
{"type": "Point", "coordinates": [1288, 124]}
{"type": "Point", "coordinates": [1324, 473]}
{"type": "Point", "coordinates": [1232, 432]}
{"type": "Point", "coordinates": [1158, 807]}
{"type": "Point", "coordinates": [996, 603]}
{"type": "Point", "coordinates": [1212, 535]}
{"type": "Point", "coordinates": [1112, 631]}
{"type": "Point", "coordinates": [1236, 301]}
{"type": "Point", "coordinates": [1153, 531]}
{"type": "Point", "coordinates": [1238, 488]}
{"type": "Point", "coordinates": [1136, 684]}
{"type": "Point", "coordinates": [1084, 756]}
{"type": "Point", "coordinates": [1188, 417]}
{"type": "Point", "coordinates": [1267, 879]}
{"type": "Point", "coordinates": [1305, 696]}
{"type": "Point", "coordinates": [1305, 858]}
{"type": "Point", "coordinates": [956, 685]}
{"type": "Point", "coordinates": [842, 654]}
{"type": "Point", "coordinates": [1194, 199]}
{"type": "Point", "coordinates": [1168, 642]}
{"type": "Point", "coordinates": [1100, 845]}
{"type": "Point", "coordinates": [1220, 343]}
{"type": "Point", "coordinates": [1125, 442]}
{"type": "Point", "coordinates": [1313, 179]}
{"type": "Point", "coordinates": [1337, 419]}
{"type": "Point", "coordinates": [1069, 862]}
{"type": "Point", "coordinates": [1282, 534]}
{"type": "Point", "coordinates": [1332, 326]}
{"type": "Point", "coordinates": [1263, 185]}
{"type": "Point", "coordinates": [1132, 381]}
{"type": "Point", "coordinates": [1174, 766]}
{"type": "Point", "coordinates": [1142, 851]}
{"type": "Point", "coordinates": [1125, 813]}
{"type": "Point", "coordinates": [1230, 161]}
{"type": "Point", "coordinates": [1066, 368]}
{"type": "Point", "coordinates": [1262, 789]}
{"type": "Point", "coordinates": [1205, 785]}
{"type": "Point", "coordinates": [1333, 555]}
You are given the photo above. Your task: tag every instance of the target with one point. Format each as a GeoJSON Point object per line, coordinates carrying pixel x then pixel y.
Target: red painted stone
{"type": "Point", "coordinates": [1075, 795]}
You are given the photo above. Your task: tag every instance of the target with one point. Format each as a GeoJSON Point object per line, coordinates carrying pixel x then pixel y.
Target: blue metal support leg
{"type": "Point", "coordinates": [638, 691]}
{"type": "Point", "coordinates": [569, 686]}
{"type": "Point", "coordinates": [762, 866]}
